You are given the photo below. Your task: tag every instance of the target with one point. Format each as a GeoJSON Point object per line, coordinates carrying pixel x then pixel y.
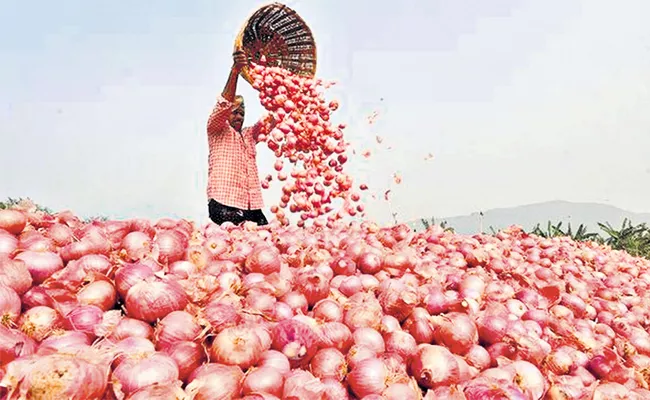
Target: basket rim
{"type": "Point", "coordinates": [239, 39]}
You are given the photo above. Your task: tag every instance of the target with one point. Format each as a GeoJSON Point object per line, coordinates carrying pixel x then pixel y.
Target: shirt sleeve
{"type": "Point", "coordinates": [219, 117]}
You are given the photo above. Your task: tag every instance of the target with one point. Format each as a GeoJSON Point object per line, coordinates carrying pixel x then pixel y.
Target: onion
{"type": "Point", "coordinates": [297, 301]}
{"type": "Point", "coordinates": [314, 286]}
{"type": "Point", "coordinates": [397, 299]}
{"type": "Point", "coordinates": [336, 335]}
{"type": "Point", "coordinates": [159, 392]}
{"type": "Point", "coordinates": [263, 380]}
{"type": "Point", "coordinates": [328, 310]}
{"type": "Point", "coordinates": [84, 319]}
{"type": "Point", "coordinates": [41, 265]}
{"type": "Point", "coordinates": [14, 344]}
{"type": "Point", "coordinates": [135, 373]}
{"type": "Point", "coordinates": [329, 363]}
{"type": "Point", "coordinates": [38, 322]}
{"type": "Point", "coordinates": [96, 263]}
{"type": "Point", "coordinates": [299, 384]}
{"type": "Point", "coordinates": [276, 360]}
{"type": "Point", "coordinates": [187, 355]}
{"type": "Point", "coordinates": [221, 316]}
{"type": "Point", "coordinates": [136, 245]}
{"type": "Point", "coordinates": [215, 381]}
{"type": "Point", "coordinates": [456, 331]}
{"type": "Point", "coordinates": [8, 244]}
{"type": "Point", "coordinates": [358, 353]}
{"type": "Point", "coordinates": [296, 340]}
{"type": "Point", "coordinates": [153, 299]}
{"type": "Point", "coordinates": [170, 245]}
{"type": "Point", "coordinates": [100, 293]}
{"type": "Point", "coordinates": [130, 327]}
{"type": "Point", "coordinates": [239, 346]}
{"type": "Point", "coordinates": [58, 376]}
{"type": "Point", "coordinates": [368, 377]}
{"type": "Point", "coordinates": [264, 259]}
{"type": "Point", "coordinates": [401, 343]}
{"type": "Point", "coordinates": [128, 276]}
{"type": "Point", "coordinates": [434, 366]}
{"type": "Point", "coordinates": [62, 341]}
{"type": "Point", "coordinates": [10, 305]}
{"type": "Point", "coordinates": [12, 221]}
{"type": "Point", "coordinates": [370, 338]}
{"type": "Point", "coordinates": [176, 326]}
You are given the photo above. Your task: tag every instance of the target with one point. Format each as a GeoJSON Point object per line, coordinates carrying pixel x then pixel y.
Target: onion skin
{"type": "Point", "coordinates": [434, 366]}
{"type": "Point", "coordinates": [215, 381]}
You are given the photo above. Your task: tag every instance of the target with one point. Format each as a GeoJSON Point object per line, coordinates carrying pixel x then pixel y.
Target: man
{"type": "Point", "coordinates": [234, 189]}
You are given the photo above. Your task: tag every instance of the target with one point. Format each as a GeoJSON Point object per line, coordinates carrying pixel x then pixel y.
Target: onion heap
{"type": "Point", "coordinates": [139, 309]}
{"type": "Point", "coordinates": [305, 137]}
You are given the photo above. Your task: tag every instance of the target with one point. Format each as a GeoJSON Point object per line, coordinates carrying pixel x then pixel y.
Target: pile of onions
{"type": "Point", "coordinates": [141, 309]}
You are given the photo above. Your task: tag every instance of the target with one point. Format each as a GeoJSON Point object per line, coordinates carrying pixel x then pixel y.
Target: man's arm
{"type": "Point", "coordinates": [239, 62]}
{"type": "Point", "coordinates": [219, 117]}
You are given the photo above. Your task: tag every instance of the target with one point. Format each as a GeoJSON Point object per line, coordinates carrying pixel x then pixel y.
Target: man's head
{"type": "Point", "coordinates": [238, 112]}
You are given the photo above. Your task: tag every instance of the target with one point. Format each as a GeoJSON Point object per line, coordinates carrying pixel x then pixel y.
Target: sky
{"type": "Point", "coordinates": [103, 105]}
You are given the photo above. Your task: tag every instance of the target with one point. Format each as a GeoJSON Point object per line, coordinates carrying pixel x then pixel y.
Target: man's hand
{"type": "Point", "coordinates": [239, 61]}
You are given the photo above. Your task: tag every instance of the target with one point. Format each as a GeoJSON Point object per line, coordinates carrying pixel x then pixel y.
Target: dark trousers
{"type": "Point", "coordinates": [220, 213]}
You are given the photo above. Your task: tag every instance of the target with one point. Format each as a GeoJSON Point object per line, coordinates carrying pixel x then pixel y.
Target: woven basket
{"type": "Point", "coordinates": [277, 32]}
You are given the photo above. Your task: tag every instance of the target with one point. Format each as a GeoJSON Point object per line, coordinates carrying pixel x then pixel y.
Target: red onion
{"type": "Point", "coordinates": [74, 377]}
{"type": "Point", "coordinates": [434, 366]}
{"type": "Point", "coordinates": [370, 338]}
{"type": "Point", "coordinates": [221, 316]}
{"type": "Point", "coordinates": [368, 377]}
{"type": "Point", "coordinates": [136, 245]}
{"type": "Point", "coordinates": [263, 380]}
{"type": "Point", "coordinates": [95, 263]}
{"type": "Point", "coordinates": [171, 246]}
{"type": "Point", "coordinates": [100, 293]}
{"type": "Point", "coordinates": [337, 335]}
{"type": "Point", "coordinates": [263, 259]}
{"type": "Point", "coordinates": [299, 384]}
{"type": "Point", "coordinates": [313, 285]}
{"type": "Point", "coordinates": [129, 275]}
{"type": "Point", "coordinates": [297, 301]}
{"type": "Point", "coordinates": [84, 319]}
{"type": "Point", "coordinates": [456, 331]}
{"type": "Point", "coordinates": [397, 299]}
{"type": "Point", "coordinates": [41, 265]}
{"type": "Point", "coordinates": [38, 322]}
{"type": "Point", "coordinates": [401, 391]}
{"type": "Point", "coordinates": [61, 234]}
{"type": "Point", "coordinates": [358, 353]}
{"type": "Point", "coordinates": [130, 327]}
{"type": "Point", "coordinates": [401, 343]}
{"type": "Point", "coordinates": [183, 269]}
{"type": "Point", "coordinates": [334, 389]}
{"type": "Point", "coordinates": [296, 340]}
{"type": "Point", "coordinates": [177, 326]}
{"type": "Point", "coordinates": [215, 381]}
{"type": "Point", "coordinates": [329, 363]}
{"type": "Point", "coordinates": [14, 344]}
{"type": "Point", "coordinates": [135, 373]}
{"type": "Point", "coordinates": [239, 346]}
{"type": "Point", "coordinates": [276, 360]}
{"type": "Point", "coordinates": [159, 392]}
{"type": "Point", "coordinates": [10, 305]}
{"type": "Point", "coordinates": [187, 355]}
{"type": "Point", "coordinates": [12, 221]}
{"type": "Point", "coordinates": [62, 341]}
{"type": "Point", "coordinates": [153, 299]}
{"type": "Point", "coordinates": [8, 244]}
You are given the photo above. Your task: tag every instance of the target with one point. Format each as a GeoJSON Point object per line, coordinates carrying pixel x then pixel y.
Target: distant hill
{"type": "Point", "coordinates": [530, 215]}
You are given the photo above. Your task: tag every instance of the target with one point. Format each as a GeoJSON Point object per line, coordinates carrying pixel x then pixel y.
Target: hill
{"type": "Point", "coordinates": [528, 216]}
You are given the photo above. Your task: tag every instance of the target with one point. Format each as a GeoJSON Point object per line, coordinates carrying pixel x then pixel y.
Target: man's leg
{"type": "Point", "coordinates": [220, 213]}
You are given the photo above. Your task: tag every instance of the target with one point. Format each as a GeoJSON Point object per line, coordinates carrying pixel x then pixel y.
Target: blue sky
{"type": "Point", "coordinates": [103, 104]}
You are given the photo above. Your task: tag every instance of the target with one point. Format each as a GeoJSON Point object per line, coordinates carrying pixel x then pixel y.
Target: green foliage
{"type": "Point", "coordinates": [11, 202]}
{"type": "Point", "coordinates": [428, 223]}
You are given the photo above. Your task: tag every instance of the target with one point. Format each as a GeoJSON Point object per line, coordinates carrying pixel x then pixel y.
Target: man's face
{"type": "Point", "coordinates": [237, 114]}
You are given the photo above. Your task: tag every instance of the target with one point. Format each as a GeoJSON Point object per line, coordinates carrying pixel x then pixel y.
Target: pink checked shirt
{"type": "Point", "coordinates": [233, 178]}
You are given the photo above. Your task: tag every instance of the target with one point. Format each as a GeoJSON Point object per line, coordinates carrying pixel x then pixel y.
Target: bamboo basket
{"type": "Point", "coordinates": [277, 32]}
